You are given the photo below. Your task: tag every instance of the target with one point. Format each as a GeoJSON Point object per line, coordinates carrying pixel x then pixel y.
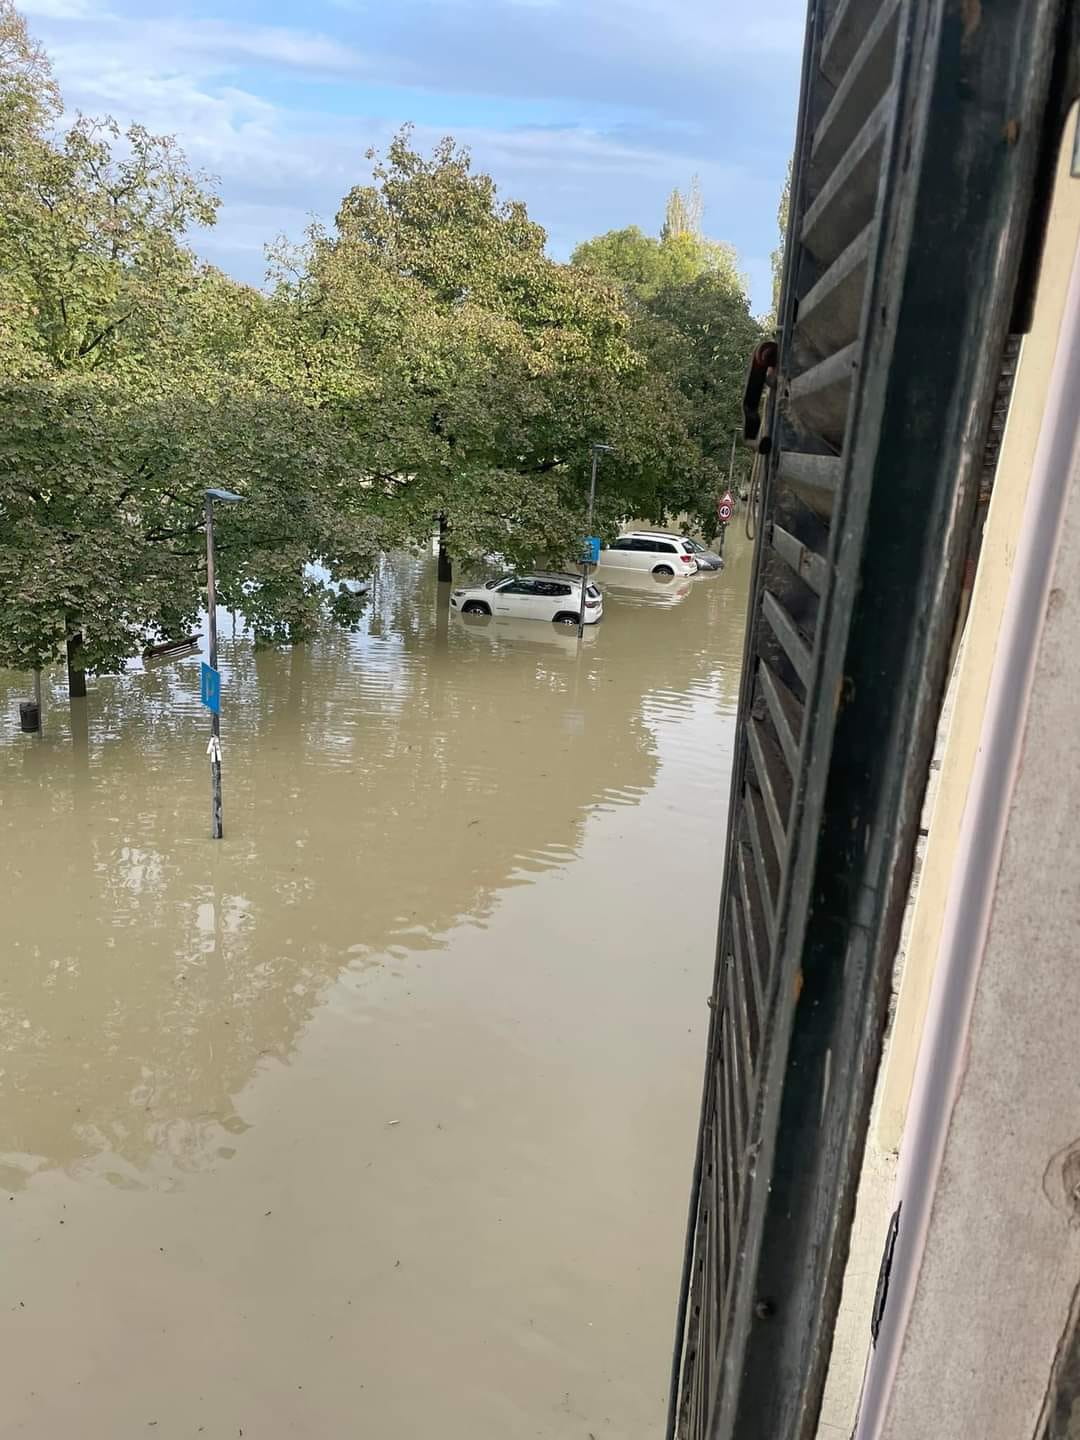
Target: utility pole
{"type": "Point", "coordinates": [597, 451]}
{"type": "Point", "coordinates": [214, 748]}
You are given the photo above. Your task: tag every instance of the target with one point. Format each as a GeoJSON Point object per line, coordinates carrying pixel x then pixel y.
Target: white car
{"type": "Point", "coordinates": [532, 597]}
{"type": "Point", "coordinates": [703, 558]}
{"type": "Point", "coordinates": [640, 550]}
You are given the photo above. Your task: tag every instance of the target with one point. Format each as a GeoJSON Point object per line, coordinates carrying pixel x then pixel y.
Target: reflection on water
{"type": "Point", "coordinates": [643, 588]}
{"type": "Point", "coordinates": [170, 1010]}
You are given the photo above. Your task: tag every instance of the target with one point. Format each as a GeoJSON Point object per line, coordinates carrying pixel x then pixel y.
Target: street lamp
{"type": "Point", "coordinates": [597, 451]}
{"type": "Point", "coordinates": [223, 497]}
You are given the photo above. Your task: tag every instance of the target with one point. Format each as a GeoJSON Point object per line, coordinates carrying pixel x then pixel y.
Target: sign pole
{"type": "Point", "coordinates": [214, 748]}
{"type": "Point", "coordinates": [593, 557]}
{"type": "Point", "coordinates": [724, 510]}
{"type": "Point", "coordinates": [211, 679]}
{"type": "Point", "coordinates": [585, 563]}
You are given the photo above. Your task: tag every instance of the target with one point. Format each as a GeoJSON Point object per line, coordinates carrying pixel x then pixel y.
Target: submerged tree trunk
{"type": "Point", "coordinates": [75, 668]}
{"type": "Point", "coordinates": [446, 573]}
{"type": "Point", "coordinates": [80, 746]}
{"type": "Point", "coordinates": [442, 619]}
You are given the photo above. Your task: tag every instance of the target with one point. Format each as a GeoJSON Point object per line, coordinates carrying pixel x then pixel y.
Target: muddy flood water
{"type": "Point", "coordinates": [376, 1118]}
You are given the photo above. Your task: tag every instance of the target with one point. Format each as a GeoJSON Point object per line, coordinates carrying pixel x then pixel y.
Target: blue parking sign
{"type": "Point", "coordinates": [210, 688]}
{"type": "Point", "coordinates": [592, 550]}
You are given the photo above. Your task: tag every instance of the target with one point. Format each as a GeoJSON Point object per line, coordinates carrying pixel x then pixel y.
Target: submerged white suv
{"type": "Point", "coordinates": [540, 596]}
{"type": "Point", "coordinates": [640, 550]}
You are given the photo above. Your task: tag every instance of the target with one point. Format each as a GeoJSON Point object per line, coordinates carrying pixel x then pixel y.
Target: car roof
{"type": "Point", "coordinates": [654, 535]}
{"type": "Point", "coordinates": [566, 575]}
{"type": "Point", "coordinates": [664, 535]}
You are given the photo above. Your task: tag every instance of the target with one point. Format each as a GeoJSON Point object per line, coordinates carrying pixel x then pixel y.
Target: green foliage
{"type": "Point", "coordinates": [424, 358]}
{"type": "Point", "coordinates": [91, 244]}
{"type": "Point", "coordinates": [777, 257]}
{"type": "Point", "coordinates": [645, 265]}
{"type": "Point", "coordinates": [129, 383]}
{"type": "Point", "coordinates": [693, 326]}
{"type": "Point", "coordinates": [473, 370]}
{"type": "Point", "coordinates": [684, 212]}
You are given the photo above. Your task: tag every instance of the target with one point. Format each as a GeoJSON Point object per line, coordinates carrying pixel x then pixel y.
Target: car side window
{"type": "Point", "coordinates": [624, 545]}
{"type": "Point", "coordinates": [664, 547]}
{"type": "Point", "coordinates": [648, 545]}
{"type": "Point", "coordinates": [518, 587]}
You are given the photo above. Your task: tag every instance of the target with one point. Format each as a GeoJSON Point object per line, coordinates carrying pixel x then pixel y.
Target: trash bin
{"type": "Point", "coordinates": [29, 717]}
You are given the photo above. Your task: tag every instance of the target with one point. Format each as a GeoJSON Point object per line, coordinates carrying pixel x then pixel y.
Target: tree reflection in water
{"type": "Point", "coordinates": [382, 789]}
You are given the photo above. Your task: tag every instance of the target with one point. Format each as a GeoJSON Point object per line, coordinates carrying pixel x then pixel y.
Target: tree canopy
{"type": "Point", "coordinates": [423, 359]}
{"type": "Point", "coordinates": [777, 257]}
{"type": "Point", "coordinates": [692, 324]}
{"type": "Point", "coordinates": [475, 371]}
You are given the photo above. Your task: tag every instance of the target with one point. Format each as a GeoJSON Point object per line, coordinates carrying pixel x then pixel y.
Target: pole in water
{"type": "Point", "coordinates": [214, 747]}
{"type": "Point", "coordinates": [37, 702]}
{"type": "Point", "coordinates": [597, 451]}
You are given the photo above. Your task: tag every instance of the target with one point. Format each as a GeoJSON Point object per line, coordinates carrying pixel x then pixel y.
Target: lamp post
{"type": "Point", "coordinates": [224, 497]}
{"type": "Point", "coordinates": [597, 451]}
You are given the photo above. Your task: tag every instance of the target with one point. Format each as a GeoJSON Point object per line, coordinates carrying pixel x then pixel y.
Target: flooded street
{"type": "Point", "coordinates": [377, 1117]}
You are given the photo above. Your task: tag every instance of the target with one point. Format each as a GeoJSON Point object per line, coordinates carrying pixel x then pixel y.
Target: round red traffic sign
{"type": "Point", "coordinates": [724, 512]}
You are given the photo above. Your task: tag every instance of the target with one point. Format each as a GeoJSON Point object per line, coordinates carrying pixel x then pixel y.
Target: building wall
{"type": "Point", "coordinates": [972, 678]}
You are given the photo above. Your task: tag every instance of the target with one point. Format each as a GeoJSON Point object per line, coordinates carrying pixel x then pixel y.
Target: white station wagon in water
{"type": "Point", "coordinates": [532, 597]}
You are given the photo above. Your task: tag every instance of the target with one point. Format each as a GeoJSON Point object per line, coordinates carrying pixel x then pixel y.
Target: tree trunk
{"type": "Point", "coordinates": [76, 672]}
{"type": "Point", "coordinates": [446, 573]}
{"type": "Point", "coordinates": [80, 746]}
{"type": "Point", "coordinates": [442, 619]}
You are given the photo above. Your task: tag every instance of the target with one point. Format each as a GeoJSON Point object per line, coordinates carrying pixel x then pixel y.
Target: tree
{"type": "Point", "coordinates": [425, 358]}
{"type": "Point", "coordinates": [777, 256]}
{"type": "Point", "coordinates": [684, 213]}
{"type": "Point", "coordinates": [130, 380]}
{"type": "Point", "coordinates": [693, 324]}
{"type": "Point", "coordinates": [700, 336]}
{"type": "Point", "coordinates": [474, 370]}
{"type": "Point", "coordinates": [29, 102]}
{"type": "Point", "coordinates": [644, 265]}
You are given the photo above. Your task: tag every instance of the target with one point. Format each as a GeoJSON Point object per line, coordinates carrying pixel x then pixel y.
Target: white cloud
{"type": "Point", "coordinates": [222, 87]}
{"type": "Point", "coordinates": [60, 9]}
{"type": "Point", "coordinates": [224, 41]}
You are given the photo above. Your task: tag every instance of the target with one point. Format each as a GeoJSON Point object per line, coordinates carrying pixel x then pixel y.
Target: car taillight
{"type": "Point", "coordinates": [591, 604]}
{"type": "Point", "coordinates": [687, 559]}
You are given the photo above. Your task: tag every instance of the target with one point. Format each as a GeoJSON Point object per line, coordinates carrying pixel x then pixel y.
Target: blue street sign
{"type": "Point", "coordinates": [210, 688]}
{"type": "Point", "coordinates": [592, 550]}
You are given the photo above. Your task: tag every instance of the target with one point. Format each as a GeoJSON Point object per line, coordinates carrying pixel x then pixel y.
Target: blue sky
{"type": "Point", "coordinates": [588, 110]}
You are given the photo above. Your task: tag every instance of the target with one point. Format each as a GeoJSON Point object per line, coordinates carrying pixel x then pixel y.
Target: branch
{"type": "Point", "coordinates": [110, 329]}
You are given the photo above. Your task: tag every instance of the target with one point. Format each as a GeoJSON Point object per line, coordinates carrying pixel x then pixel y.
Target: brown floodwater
{"type": "Point", "coordinates": [375, 1118]}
